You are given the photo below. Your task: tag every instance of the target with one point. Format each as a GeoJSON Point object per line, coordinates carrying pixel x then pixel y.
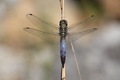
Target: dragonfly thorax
{"type": "Point", "coordinates": [63, 28]}
{"type": "Point", "coordinates": [63, 23]}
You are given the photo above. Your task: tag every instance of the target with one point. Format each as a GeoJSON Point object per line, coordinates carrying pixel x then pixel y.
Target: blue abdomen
{"type": "Point", "coordinates": [63, 47]}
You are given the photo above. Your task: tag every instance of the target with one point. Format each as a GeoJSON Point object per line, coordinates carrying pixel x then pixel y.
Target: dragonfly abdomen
{"type": "Point", "coordinates": [63, 50]}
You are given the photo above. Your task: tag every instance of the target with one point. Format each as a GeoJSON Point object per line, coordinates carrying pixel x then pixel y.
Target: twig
{"type": "Point", "coordinates": [63, 77]}
{"type": "Point", "coordinates": [62, 9]}
{"type": "Point", "coordinates": [76, 61]}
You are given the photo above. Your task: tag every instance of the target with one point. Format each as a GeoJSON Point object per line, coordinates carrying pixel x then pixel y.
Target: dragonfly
{"type": "Point", "coordinates": [63, 30]}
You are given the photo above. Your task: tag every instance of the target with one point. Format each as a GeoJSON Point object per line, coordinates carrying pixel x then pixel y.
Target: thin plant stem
{"type": "Point", "coordinates": [62, 9]}
{"type": "Point", "coordinates": [63, 76]}
{"type": "Point", "coordinates": [76, 61]}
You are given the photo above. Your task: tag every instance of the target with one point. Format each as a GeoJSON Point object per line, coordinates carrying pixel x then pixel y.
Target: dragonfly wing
{"type": "Point", "coordinates": [43, 35]}
{"type": "Point", "coordinates": [77, 27]}
{"type": "Point", "coordinates": [75, 36]}
{"type": "Point", "coordinates": [46, 26]}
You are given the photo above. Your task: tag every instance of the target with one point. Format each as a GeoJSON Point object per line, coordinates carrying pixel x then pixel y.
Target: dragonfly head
{"type": "Point", "coordinates": [63, 22]}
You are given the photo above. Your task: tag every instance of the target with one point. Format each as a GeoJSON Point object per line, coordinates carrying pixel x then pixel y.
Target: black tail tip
{"type": "Point", "coordinates": [63, 58]}
{"type": "Point", "coordinates": [63, 65]}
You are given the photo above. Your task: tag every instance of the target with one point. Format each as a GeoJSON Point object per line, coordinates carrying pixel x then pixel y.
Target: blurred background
{"type": "Point", "coordinates": [27, 57]}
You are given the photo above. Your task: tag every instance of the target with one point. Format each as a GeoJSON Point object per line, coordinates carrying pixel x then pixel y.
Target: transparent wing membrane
{"type": "Point", "coordinates": [43, 35]}
{"type": "Point", "coordinates": [76, 36]}
{"type": "Point", "coordinates": [37, 32]}
{"type": "Point", "coordinates": [42, 24]}
{"type": "Point", "coordinates": [50, 30]}
{"type": "Point", "coordinates": [80, 26]}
